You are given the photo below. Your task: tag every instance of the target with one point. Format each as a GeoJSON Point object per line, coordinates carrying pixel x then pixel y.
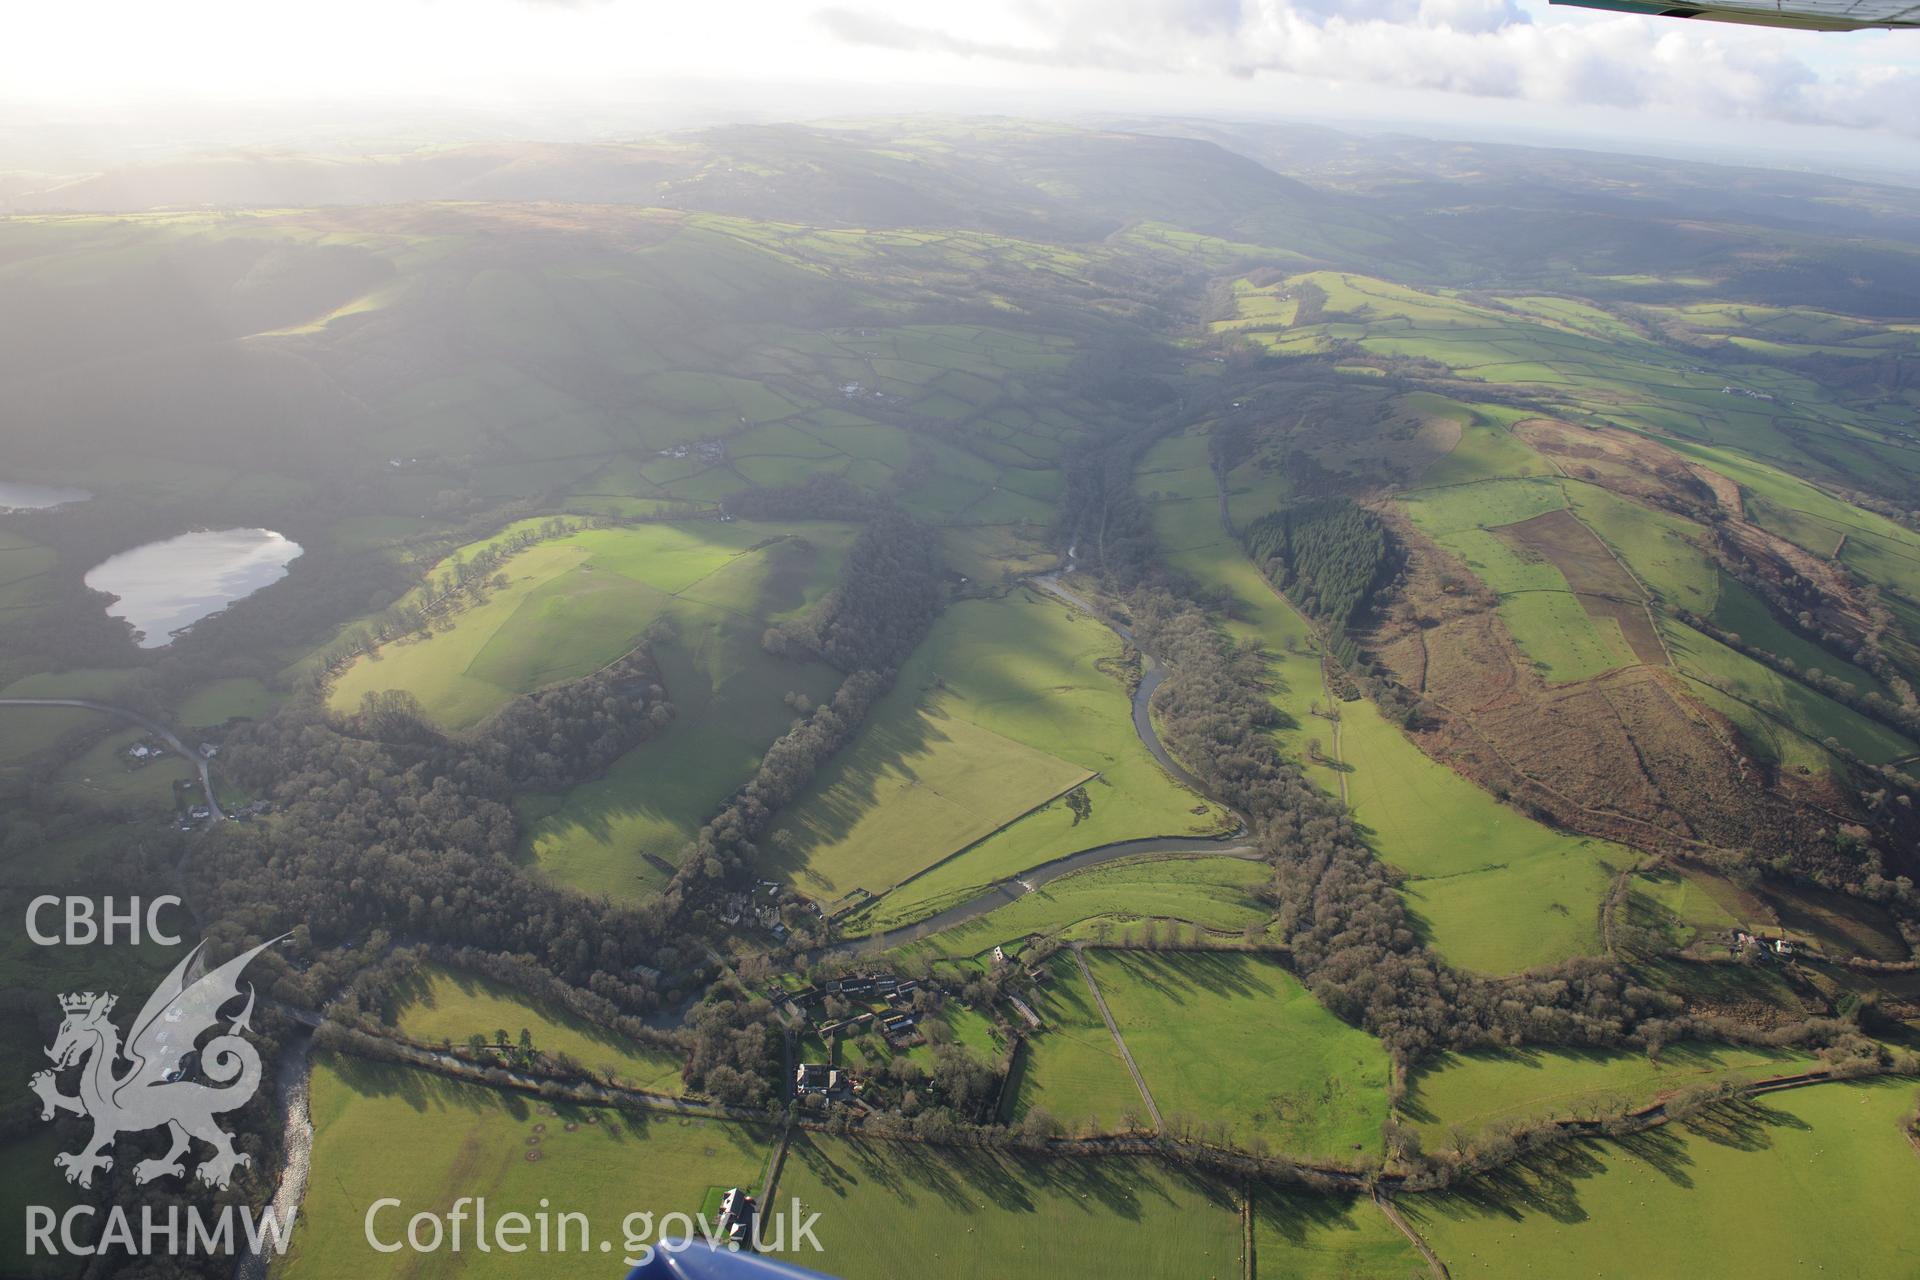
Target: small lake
{"type": "Point", "coordinates": [35, 497]}
{"type": "Point", "coordinates": [165, 587]}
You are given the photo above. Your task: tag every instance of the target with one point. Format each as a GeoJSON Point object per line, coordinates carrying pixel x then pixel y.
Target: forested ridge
{"type": "Point", "coordinates": [887, 596]}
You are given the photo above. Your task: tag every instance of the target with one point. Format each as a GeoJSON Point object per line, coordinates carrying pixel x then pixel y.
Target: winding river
{"type": "Point", "coordinates": [293, 1082]}
{"type": "Point", "coordinates": [999, 895]}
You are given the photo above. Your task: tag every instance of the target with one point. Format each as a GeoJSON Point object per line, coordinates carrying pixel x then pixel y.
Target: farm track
{"type": "Point", "coordinates": [1393, 1215]}
{"type": "Point", "coordinates": [776, 1162]}
{"type": "Point", "coordinates": [154, 727]}
{"type": "Point", "coordinates": [1119, 1041]}
{"type": "Point", "coordinates": [1251, 1263]}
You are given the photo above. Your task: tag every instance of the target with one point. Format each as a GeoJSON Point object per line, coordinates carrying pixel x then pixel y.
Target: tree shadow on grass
{"type": "Point", "coordinates": [1297, 1217]}
{"type": "Point", "coordinates": [971, 1180]}
{"type": "Point", "coordinates": [1685, 1057]}
{"type": "Point", "coordinates": [1549, 1181]}
{"type": "Point", "coordinates": [851, 783]}
{"type": "Point", "coordinates": [424, 1090]}
{"type": "Point", "coordinates": [1181, 975]}
{"type": "Point", "coordinates": [1741, 1123]}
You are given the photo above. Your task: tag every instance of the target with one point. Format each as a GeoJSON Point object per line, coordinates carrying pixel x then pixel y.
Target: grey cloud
{"type": "Point", "coordinates": [882, 32]}
{"type": "Point", "coordinates": [1483, 48]}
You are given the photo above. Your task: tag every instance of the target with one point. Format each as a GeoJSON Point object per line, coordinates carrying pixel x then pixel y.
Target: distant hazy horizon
{"type": "Point", "coordinates": [382, 77]}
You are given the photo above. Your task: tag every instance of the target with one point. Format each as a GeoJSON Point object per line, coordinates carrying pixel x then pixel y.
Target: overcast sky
{"type": "Point", "coordinates": [1467, 65]}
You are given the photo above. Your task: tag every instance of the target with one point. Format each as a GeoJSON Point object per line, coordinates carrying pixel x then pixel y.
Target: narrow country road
{"type": "Point", "coordinates": [154, 727]}
{"type": "Point", "coordinates": [1015, 888]}
{"type": "Point", "coordinates": [1119, 1041]}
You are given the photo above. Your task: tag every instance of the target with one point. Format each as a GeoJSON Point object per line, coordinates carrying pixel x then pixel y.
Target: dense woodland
{"type": "Point", "coordinates": [1330, 556]}
{"type": "Point", "coordinates": [887, 596]}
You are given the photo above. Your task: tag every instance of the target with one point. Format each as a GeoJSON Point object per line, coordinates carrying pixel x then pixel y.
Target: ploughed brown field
{"type": "Point", "coordinates": [1604, 588]}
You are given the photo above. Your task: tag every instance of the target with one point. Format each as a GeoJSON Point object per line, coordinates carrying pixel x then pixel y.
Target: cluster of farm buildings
{"type": "Point", "coordinates": [890, 1010]}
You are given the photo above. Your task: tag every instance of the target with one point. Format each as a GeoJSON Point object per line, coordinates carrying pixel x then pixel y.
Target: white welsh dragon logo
{"type": "Point", "coordinates": [153, 1090]}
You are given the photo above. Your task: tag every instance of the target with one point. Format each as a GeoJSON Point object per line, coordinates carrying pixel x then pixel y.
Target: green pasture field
{"type": "Point", "coordinates": [1186, 519]}
{"type": "Point", "coordinates": [26, 570]}
{"type": "Point", "coordinates": [1810, 1181]}
{"type": "Point", "coordinates": [971, 1030]}
{"type": "Point", "coordinates": [1770, 740]}
{"type": "Point", "coordinates": [1484, 448]}
{"type": "Point", "coordinates": [1684, 906]}
{"type": "Point", "coordinates": [1300, 1235]}
{"type": "Point", "coordinates": [729, 703]}
{"type": "Point", "coordinates": [1033, 670]}
{"type": "Point", "coordinates": [382, 1130]}
{"type": "Point", "coordinates": [1492, 890]}
{"type": "Point", "coordinates": [994, 553]}
{"type": "Point", "coordinates": [1600, 368]}
{"type": "Point", "coordinates": [81, 682]}
{"type": "Point", "coordinates": [603, 620]}
{"type": "Point", "coordinates": [27, 731]}
{"type": "Point", "coordinates": [1767, 705]}
{"type": "Point", "coordinates": [720, 589]}
{"type": "Point", "coordinates": [1662, 549]}
{"type": "Point", "coordinates": [443, 1004]}
{"type": "Point", "coordinates": [1538, 606]}
{"type": "Point", "coordinates": [1258, 306]}
{"type": "Point", "coordinates": [1215, 892]}
{"type": "Point", "coordinates": [1746, 615]}
{"type": "Point", "coordinates": [218, 701]}
{"type": "Point", "coordinates": [574, 604]}
{"type": "Point", "coordinates": [1232, 1041]}
{"type": "Point", "coordinates": [103, 775]}
{"type": "Point", "coordinates": [923, 783]}
{"type": "Point", "coordinates": [1071, 1068]}
{"type": "Point", "coordinates": [1570, 313]}
{"type": "Point", "coordinates": [893, 1208]}
{"type": "Point", "coordinates": [1457, 1097]}
{"type": "Point", "coordinates": [1882, 550]}
{"type": "Point", "coordinates": [1483, 504]}
{"type": "Point", "coordinates": [1799, 325]}
{"type": "Point", "coordinates": [1497, 891]}
{"type": "Point", "coordinates": [1565, 642]}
